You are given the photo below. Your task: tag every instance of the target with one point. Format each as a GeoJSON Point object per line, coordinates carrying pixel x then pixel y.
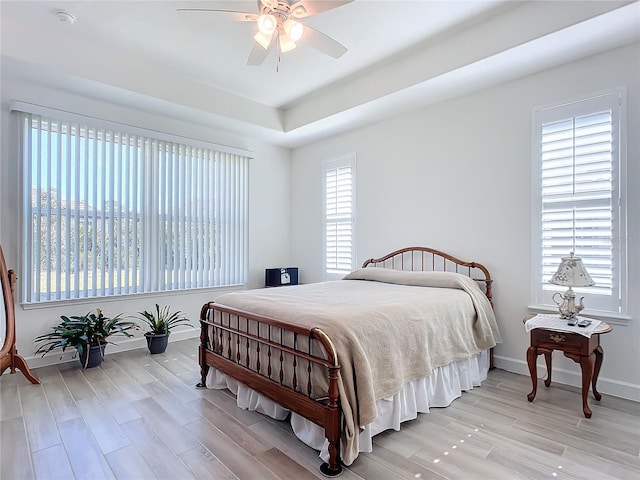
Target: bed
{"type": "Point", "coordinates": [329, 355]}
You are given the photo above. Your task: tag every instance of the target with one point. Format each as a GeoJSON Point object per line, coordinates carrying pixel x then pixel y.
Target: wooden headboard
{"type": "Point", "coordinates": [429, 259]}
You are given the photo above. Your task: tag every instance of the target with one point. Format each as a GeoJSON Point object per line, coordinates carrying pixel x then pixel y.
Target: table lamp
{"type": "Point", "coordinates": [571, 273]}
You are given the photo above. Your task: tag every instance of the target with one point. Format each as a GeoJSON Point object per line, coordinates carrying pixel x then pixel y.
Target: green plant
{"type": "Point", "coordinates": [92, 329]}
{"type": "Point", "coordinates": [162, 320]}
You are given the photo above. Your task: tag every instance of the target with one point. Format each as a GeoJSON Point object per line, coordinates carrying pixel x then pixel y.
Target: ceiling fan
{"type": "Point", "coordinates": [279, 26]}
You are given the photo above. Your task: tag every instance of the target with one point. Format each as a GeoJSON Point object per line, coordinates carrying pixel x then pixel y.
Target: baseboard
{"type": "Point", "coordinates": [121, 345]}
{"type": "Point", "coordinates": [606, 385]}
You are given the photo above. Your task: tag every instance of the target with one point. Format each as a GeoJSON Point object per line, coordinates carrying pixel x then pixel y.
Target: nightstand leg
{"type": "Point", "coordinates": [547, 359]}
{"type": "Point", "coordinates": [532, 354]}
{"type": "Point", "coordinates": [586, 365]}
{"type": "Point", "coordinates": [596, 371]}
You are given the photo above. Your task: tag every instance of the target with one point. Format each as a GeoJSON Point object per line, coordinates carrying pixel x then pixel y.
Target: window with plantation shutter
{"type": "Point", "coordinates": [112, 210]}
{"type": "Point", "coordinates": [578, 199]}
{"type": "Point", "coordinates": [339, 191]}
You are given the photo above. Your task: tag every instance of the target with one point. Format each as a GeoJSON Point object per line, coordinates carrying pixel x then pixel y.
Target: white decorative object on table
{"type": "Point", "coordinates": [571, 273]}
{"type": "Point", "coordinates": [555, 322]}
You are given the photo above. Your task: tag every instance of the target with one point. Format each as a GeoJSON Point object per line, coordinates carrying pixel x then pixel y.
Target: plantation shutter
{"type": "Point", "coordinates": [339, 216]}
{"type": "Point", "coordinates": [579, 211]}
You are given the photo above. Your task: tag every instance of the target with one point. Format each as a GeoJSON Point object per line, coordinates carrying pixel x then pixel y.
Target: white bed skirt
{"type": "Point", "coordinates": [439, 389]}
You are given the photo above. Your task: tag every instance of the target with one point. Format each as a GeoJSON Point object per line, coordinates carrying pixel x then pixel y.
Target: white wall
{"type": "Point", "coordinates": [457, 177]}
{"type": "Point", "coordinates": [269, 214]}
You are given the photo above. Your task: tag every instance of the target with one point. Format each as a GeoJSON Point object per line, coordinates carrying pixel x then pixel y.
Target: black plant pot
{"type": "Point", "coordinates": [157, 343]}
{"type": "Point", "coordinates": [96, 355]}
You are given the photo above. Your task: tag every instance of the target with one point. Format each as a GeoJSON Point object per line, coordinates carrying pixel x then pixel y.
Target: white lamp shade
{"type": "Point", "coordinates": [263, 40]}
{"type": "Point", "coordinates": [267, 24]}
{"type": "Point", "coordinates": [286, 44]}
{"type": "Point", "coordinates": [572, 273]}
{"type": "Point", "coordinates": [294, 29]}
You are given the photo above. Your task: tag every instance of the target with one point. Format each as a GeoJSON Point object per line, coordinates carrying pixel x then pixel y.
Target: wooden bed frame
{"type": "Point", "coordinates": [232, 345]}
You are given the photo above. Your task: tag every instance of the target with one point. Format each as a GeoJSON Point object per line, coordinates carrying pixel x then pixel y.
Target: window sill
{"type": "Point", "coordinates": [130, 296]}
{"type": "Point", "coordinates": [609, 317]}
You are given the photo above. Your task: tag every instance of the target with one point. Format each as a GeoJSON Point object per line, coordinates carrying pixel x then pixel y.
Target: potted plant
{"type": "Point", "coordinates": [87, 333]}
{"type": "Point", "coordinates": [159, 324]}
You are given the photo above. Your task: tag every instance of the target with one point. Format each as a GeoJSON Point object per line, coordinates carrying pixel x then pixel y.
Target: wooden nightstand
{"type": "Point", "coordinates": [583, 350]}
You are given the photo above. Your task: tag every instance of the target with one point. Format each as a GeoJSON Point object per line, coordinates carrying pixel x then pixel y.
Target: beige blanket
{"type": "Point", "coordinates": [389, 327]}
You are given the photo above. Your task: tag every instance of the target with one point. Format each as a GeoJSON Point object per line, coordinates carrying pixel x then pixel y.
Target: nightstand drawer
{"type": "Point", "coordinates": [568, 342]}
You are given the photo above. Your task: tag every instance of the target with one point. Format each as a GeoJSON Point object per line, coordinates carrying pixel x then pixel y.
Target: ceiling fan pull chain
{"type": "Point", "coordinates": [279, 54]}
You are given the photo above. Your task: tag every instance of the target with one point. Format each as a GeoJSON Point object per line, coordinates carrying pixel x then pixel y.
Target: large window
{"type": "Point", "coordinates": [339, 231]}
{"type": "Point", "coordinates": [578, 198]}
{"type": "Point", "coordinates": [112, 212]}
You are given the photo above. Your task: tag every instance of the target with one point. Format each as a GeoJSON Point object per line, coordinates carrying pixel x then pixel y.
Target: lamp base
{"type": "Point", "coordinates": [567, 307]}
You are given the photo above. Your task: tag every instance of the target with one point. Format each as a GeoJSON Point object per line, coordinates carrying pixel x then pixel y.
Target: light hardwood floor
{"type": "Point", "coordinates": [139, 416]}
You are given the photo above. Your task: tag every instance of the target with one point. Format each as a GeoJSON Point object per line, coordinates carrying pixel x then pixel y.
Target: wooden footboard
{"type": "Point", "coordinates": [292, 365]}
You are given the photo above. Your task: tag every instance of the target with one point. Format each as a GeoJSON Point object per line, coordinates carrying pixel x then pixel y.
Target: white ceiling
{"type": "Point", "coordinates": [401, 55]}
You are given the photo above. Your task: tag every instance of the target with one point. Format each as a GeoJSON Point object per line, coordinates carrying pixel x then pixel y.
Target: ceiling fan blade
{"type": "Point", "coordinates": [313, 7]}
{"type": "Point", "coordinates": [322, 42]}
{"type": "Point", "coordinates": [238, 16]}
{"type": "Point", "coordinates": [259, 54]}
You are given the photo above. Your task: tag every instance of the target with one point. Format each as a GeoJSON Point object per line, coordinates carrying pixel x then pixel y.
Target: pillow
{"type": "Point", "coordinates": [414, 278]}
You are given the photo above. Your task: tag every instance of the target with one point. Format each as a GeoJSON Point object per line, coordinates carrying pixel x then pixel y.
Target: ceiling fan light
{"type": "Point", "coordinates": [263, 40]}
{"type": "Point", "coordinates": [294, 29]}
{"type": "Point", "coordinates": [267, 24]}
{"type": "Point", "coordinates": [286, 44]}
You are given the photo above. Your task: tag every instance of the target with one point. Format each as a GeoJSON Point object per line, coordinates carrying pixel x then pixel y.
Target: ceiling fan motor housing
{"type": "Point", "coordinates": [281, 8]}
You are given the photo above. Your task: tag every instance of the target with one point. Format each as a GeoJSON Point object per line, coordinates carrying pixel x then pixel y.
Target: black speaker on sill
{"type": "Point", "coordinates": [277, 277]}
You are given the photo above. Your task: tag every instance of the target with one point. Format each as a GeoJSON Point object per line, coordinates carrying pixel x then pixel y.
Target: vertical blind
{"type": "Point", "coordinates": [108, 212]}
{"type": "Point", "coordinates": [339, 216]}
{"type": "Point", "coordinates": [579, 162]}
